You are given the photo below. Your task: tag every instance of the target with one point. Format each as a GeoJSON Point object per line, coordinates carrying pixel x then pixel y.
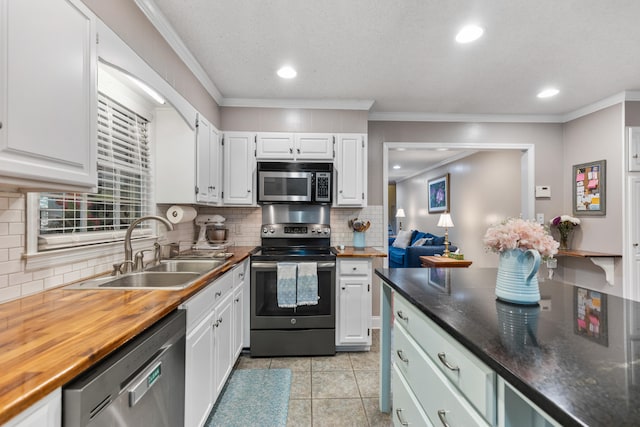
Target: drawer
{"type": "Point", "coordinates": [198, 306]}
{"type": "Point", "coordinates": [354, 268]}
{"type": "Point", "coordinates": [406, 408]}
{"type": "Point", "coordinates": [470, 375]}
{"type": "Point", "coordinates": [441, 401]}
{"type": "Point", "coordinates": [222, 286]}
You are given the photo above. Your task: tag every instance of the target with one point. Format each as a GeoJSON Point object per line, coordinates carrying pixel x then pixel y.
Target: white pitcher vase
{"type": "Point", "coordinates": [517, 280]}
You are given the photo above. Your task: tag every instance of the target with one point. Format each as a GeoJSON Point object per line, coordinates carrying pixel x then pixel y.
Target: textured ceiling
{"type": "Point", "coordinates": [402, 54]}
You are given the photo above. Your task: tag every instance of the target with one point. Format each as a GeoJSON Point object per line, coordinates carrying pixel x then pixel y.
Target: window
{"type": "Point", "coordinates": [124, 186]}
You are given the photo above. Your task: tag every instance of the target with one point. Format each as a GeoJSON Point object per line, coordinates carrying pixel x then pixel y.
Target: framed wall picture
{"type": "Point", "coordinates": [590, 315]}
{"type": "Point", "coordinates": [439, 194]}
{"type": "Point", "coordinates": [589, 190]}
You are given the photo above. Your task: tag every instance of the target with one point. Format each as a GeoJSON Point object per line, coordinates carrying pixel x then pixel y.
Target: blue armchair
{"type": "Point", "coordinates": [409, 257]}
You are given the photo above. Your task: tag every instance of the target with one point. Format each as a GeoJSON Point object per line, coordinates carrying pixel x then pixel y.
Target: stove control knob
{"type": "Point", "coordinates": [272, 230]}
{"type": "Point", "coordinates": [265, 230]}
{"type": "Point", "coordinates": [326, 231]}
{"type": "Point", "coordinates": [293, 321]}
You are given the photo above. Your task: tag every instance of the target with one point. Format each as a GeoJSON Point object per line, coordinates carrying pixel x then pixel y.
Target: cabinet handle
{"type": "Point", "coordinates": [218, 293]}
{"type": "Point", "coordinates": [445, 362]}
{"type": "Point", "coordinates": [237, 299]}
{"type": "Point", "coordinates": [343, 288]}
{"type": "Point", "coordinates": [290, 150]}
{"type": "Point", "coordinates": [442, 414]}
{"type": "Point", "coordinates": [635, 245]}
{"type": "Point", "coordinates": [215, 325]}
{"type": "Point", "coordinates": [298, 151]}
{"type": "Point", "coordinates": [401, 356]}
{"type": "Point", "coordinates": [248, 191]}
{"type": "Point", "coordinates": [635, 156]}
{"type": "Point", "coordinates": [219, 320]}
{"type": "Point", "coordinates": [401, 418]}
{"type": "Point", "coordinates": [0, 125]}
{"type": "Point", "coordinates": [402, 316]}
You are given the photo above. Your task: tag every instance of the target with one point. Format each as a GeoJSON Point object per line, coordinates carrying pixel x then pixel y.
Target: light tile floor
{"type": "Point", "coordinates": [340, 390]}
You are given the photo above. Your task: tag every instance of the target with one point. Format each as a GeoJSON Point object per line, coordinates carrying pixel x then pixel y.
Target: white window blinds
{"type": "Point", "coordinates": [124, 185]}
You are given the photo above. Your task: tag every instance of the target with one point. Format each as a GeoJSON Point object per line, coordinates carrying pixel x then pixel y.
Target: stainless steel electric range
{"type": "Point", "coordinates": [293, 234]}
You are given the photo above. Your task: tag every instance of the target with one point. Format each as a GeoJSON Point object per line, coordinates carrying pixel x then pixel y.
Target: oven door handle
{"type": "Point", "coordinates": [272, 265]}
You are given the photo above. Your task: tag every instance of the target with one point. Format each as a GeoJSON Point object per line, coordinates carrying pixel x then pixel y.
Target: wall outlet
{"type": "Point", "coordinates": [540, 218]}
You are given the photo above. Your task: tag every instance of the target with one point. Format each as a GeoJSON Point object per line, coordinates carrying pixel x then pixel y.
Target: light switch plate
{"type": "Point", "coordinates": [540, 218]}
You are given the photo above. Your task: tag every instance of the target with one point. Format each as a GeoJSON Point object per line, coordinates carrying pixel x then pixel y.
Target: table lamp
{"type": "Point", "coordinates": [446, 222]}
{"type": "Point", "coordinates": [400, 214]}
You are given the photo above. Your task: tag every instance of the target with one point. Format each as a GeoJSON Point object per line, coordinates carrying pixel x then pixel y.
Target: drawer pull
{"type": "Point", "coordinates": [445, 362]}
{"type": "Point", "coordinates": [218, 293]}
{"type": "Point", "coordinates": [442, 414]}
{"type": "Point", "coordinates": [401, 356]}
{"type": "Point", "coordinates": [402, 316]}
{"type": "Point", "coordinates": [401, 418]}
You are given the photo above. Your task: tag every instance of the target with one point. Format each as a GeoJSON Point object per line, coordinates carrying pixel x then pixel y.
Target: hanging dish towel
{"type": "Point", "coordinates": [286, 284]}
{"type": "Point", "coordinates": [308, 283]}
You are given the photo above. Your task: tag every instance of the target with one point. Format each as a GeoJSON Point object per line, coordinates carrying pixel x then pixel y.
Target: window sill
{"type": "Point", "coordinates": [58, 257]}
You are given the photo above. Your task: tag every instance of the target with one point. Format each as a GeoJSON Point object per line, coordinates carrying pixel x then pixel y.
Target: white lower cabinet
{"type": "Point", "coordinates": [210, 353]}
{"type": "Point", "coordinates": [47, 412]}
{"type": "Point", "coordinates": [452, 386]}
{"type": "Point", "coordinates": [353, 311]}
{"type": "Point", "coordinates": [199, 373]}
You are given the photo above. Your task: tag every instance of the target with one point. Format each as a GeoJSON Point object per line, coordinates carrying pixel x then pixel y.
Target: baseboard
{"type": "Point", "coordinates": [376, 322]}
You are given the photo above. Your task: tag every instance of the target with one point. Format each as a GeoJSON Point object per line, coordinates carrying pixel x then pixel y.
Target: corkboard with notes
{"type": "Point", "coordinates": [589, 190]}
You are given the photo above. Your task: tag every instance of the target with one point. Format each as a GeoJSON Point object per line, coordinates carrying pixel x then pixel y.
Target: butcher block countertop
{"type": "Point", "coordinates": [49, 338]}
{"type": "Point", "coordinates": [352, 252]}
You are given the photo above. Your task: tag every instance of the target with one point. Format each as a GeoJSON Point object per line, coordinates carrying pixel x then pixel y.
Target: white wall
{"type": "Point", "coordinates": [484, 189]}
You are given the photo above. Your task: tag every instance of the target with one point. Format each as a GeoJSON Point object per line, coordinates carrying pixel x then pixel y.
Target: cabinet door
{"type": "Point", "coordinates": [314, 146]}
{"type": "Point", "coordinates": [48, 98]}
{"type": "Point", "coordinates": [354, 310]}
{"type": "Point", "coordinates": [47, 412]}
{"type": "Point", "coordinates": [215, 166]}
{"type": "Point", "coordinates": [203, 142]}
{"type": "Point", "coordinates": [175, 158]}
{"type": "Point", "coordinates": [199, 373]}
{"type": "Point", "coordinates": [633, 149]}
{"type": "Point", "coordinates": [238, 321]}
{"type": "Point", "coordinates": [223, 342]}
{"type": "Point", "coordinates": [351, 170]}
{"type": "Point", "coordinates": [274, 146]}
{"type": "Point", "coordinates": [239, 168]}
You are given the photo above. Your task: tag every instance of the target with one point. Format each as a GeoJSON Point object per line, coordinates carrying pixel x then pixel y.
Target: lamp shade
{"type": "Point", "coordinates": [445, 220]}
{"type": "Point", "coordinates": [400, 213]}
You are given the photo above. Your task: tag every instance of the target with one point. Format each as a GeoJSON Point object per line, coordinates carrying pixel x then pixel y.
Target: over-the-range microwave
{"type": "Point", "coordinates": [288, 182]}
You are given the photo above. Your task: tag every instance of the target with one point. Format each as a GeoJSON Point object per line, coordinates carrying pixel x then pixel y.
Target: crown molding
{"type": "Point", "coordinates": [478, 118]}
{"type": "Point", "coordinates": [160, 22]}
{"type": "Point", "coordinates": [321, 104]}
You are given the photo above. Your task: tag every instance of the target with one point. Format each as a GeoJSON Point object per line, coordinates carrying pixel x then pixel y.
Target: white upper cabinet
{"type": "Point", "coordinates": [239, 168]}
{"type": "Point", "coordinates": [48, 95]}
{"type": "Point", "coordinates": [634, 148]}
{"type": "Point", "coordinates": [294, 146]}
{"type": "Point", "coordinates": [188, 162]}
{"type": "Point", "coordinates": [208, 163]}
{"type": "Point", "coordinates": [274, 146]}
{"type": "Point", "coordinates": [351, 170]}
{"type": "Point", "coordinates": [314, 146]}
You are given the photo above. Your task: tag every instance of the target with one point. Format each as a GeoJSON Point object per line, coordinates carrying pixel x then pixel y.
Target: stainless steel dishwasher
{"type": "Point", "coordinates": [140, 384]}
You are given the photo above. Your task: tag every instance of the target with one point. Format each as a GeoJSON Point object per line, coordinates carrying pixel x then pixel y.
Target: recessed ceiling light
{"type": "Point", "coordinates": [469, 33]}
{"type": "Point", "coordinates": [401, 149]}
{"type": "Point", "coordinates": [396, 166]}
{"type": "Point", "coordinates": [287, 72]}
{"type": "Point", "coordinates": [547, 93]}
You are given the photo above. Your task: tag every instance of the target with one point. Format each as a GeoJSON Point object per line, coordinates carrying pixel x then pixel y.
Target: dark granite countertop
{"type": "Point", "coordinates": [544, 351]}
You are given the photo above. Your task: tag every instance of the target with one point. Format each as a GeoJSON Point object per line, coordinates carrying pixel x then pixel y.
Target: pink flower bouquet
{"type": "Point", "coordinates": [517, 233]}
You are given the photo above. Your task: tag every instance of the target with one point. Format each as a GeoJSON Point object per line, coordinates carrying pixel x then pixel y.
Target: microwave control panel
{"type": "Point", "coordinates": [323, 187]}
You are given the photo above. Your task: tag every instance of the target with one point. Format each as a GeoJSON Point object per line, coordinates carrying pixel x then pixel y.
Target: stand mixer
{"type": "Point", "coordinates": [205, 221]}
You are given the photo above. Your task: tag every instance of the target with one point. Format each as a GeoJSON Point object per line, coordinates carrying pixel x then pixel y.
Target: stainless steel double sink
{"type": "Point", "coordinates": [173, 274]}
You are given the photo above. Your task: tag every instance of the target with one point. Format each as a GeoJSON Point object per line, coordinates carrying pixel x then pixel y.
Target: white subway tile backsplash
{"type": "Point", "coordinates": [12, 292]}
{"type": "Point", "coordinates": [243, 224]}
{"type": "Point", "coordinates": [32, 287]}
